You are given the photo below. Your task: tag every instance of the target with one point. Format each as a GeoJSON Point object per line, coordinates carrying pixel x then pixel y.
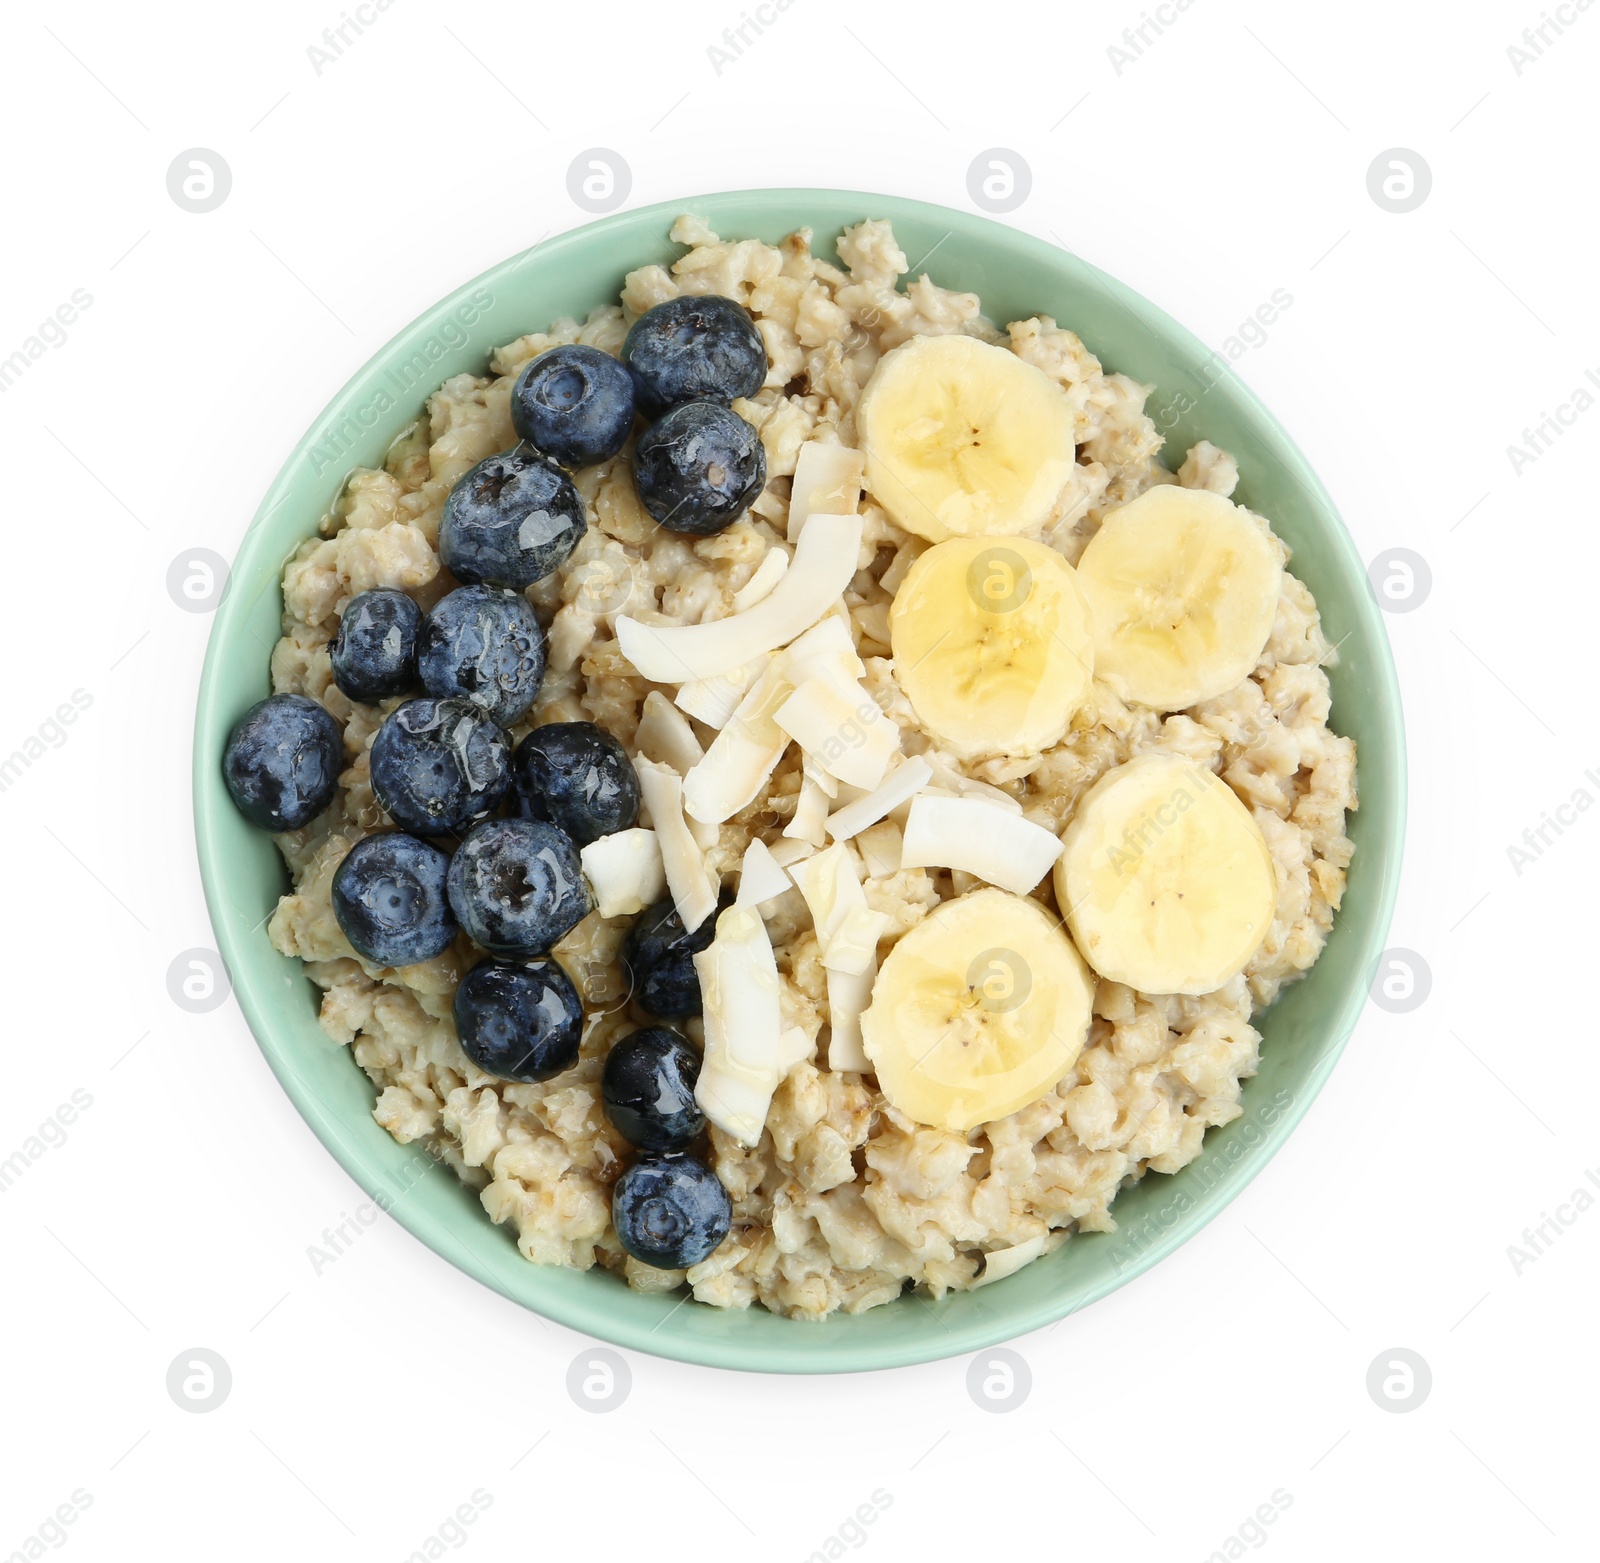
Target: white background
{"type": "Point", "coordinates": [1227, 161]}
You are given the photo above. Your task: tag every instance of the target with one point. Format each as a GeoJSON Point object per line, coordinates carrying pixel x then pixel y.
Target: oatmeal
{"type": "Point", "coordinates": [839, 1197]}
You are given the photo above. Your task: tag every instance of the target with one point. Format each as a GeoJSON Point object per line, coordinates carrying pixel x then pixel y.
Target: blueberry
{"type": "Point", "coordinates": [388, 895]}
{"type": "Point", "coordinates": [670, 1211]}
{"type": "Point", "coordinates": [575, 404]}
{"type": "Point", "coordinates": [694, 349]}
{"type": "Point", "coordinates": [484, 644]}
{"type": "Point", "coordinates": [648, 1089]}
{"type": "Point", "coordinates": [519, 1020]}
{"type": "Point", "coordinates": [516, 886]}
{"type": "Point", "coordinates": [577, 776]}
{"type": "Point", "coordinates": [374, 654]}
{"type": "Point", "coordinates": [511, 520]}
{"type": "Point", "coordinates": [438, 765]}
{"type": "Point", "coordinates": [659, 957]}
{"type": "Point", "coordinates": [698, 468]}
{"type": "Point", "coordinates": [282, 762]}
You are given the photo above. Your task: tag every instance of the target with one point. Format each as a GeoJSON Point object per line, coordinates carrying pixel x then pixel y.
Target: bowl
{"type": "Point", "coordinates": [1016, 276]}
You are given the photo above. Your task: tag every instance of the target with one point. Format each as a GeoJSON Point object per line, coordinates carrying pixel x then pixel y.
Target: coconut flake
{"type": "Point", "coordinates": [790, 850]}
{"type": "Point", "coordinates": [714, 700]}
{"type": "Point", "coordinates": [847, 737]}
{"type": "Point", "coordinates": [879, 846]}
{"type": "Point", "coordinates": [998, 1263]}
{"type": "Point", "coordinates": [827, 477]}
{"type": "Point", "coordinates": [812, 771]}
{"type": "Point", "coordinates": [848, 931]}
{"type": "Point", "coordinates": [793, 1047]}
{"type": "Point", "coordinates": [824, 562]}
{"type": "Point", "coordinates": [1004, 849]}
{"type": "Point", "coordinates": [760, 877]}
{"type": "Point", "coordinates": [747, 1053]}
{"type": "Point", "coordinates": [742, 756]}
{"type": "Point", "coordinates": [826, 653]}
{"type": "Point", "coordinates": [848, 997]}
{"type": "Point", "coordinates": [832, 890]}
{"type": "Point", "coordinates": [774, 564]}
{"type": "Point", "coordinates": [693, 891]}
{"type": "Point", "coordinates": [826, 650]}
{"type": "Point", "coordinates": [853, 948]}
{"type": "Point", "coordinates": [664, 734]}
{"type": "Point", "coordinates": [908, 778]}
{"type": "Point", "coordinates": [625, 871]}
{"type": "Point", "coordinates": [810, 813]}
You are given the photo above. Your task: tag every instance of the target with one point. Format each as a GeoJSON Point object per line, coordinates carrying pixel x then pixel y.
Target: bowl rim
{"type": "Point", "coordinates": [638, 1332]}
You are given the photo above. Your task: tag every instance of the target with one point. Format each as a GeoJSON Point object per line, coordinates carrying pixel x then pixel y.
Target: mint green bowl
{"type": "Point", "coordinates": [1016, 276]}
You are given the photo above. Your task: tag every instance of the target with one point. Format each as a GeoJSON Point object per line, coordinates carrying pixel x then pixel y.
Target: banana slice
{"type": "Point", "coordinates": [992, 644]}
{"type": "Point", "coordinates": [1164, 878]}
{"type": "Point", "coordinates": [1182, 587]}
{"type": "Point", "coordinates": [977, 1012]}
{"type": "Point", "coordinates": [964, 439]}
